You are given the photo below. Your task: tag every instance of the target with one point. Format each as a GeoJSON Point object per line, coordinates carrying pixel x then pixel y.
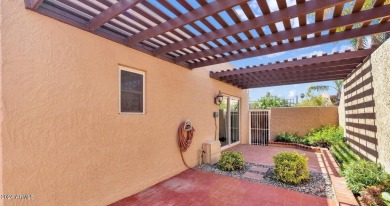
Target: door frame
{"type": "Point", "coordinates": [229, 97]}
{"type": "Point", "coordinates": [268, 125]}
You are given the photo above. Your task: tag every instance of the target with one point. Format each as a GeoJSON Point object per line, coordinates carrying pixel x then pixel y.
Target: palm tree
{"type": "Point", "coordinates": [338, 85]}
{"type": "Point", "coordinates": [367, 41]}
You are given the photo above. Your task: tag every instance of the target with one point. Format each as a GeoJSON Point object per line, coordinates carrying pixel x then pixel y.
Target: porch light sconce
{"type": "Point", "coordinates": [218, 99]}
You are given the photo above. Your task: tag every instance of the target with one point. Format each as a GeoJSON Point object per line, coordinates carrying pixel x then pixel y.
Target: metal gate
{"type": "Point", "coordinates": [259, 121]}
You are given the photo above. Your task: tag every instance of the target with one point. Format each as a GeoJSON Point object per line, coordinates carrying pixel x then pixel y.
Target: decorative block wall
{"type": "Point", "coordinates": [367, 107]}
{"type": "Point", "coordinates": [360, 124]}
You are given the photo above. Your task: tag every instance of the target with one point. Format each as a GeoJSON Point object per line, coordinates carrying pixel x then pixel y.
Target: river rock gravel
{"type": "Point", "coordinates": [319, 184]}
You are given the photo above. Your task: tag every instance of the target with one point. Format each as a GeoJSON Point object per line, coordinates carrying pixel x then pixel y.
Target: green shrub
{"type": "Point", "coordinates": [231, 160]}
{"type": "Point", "coordinates": [362, 174]}
{"type": "Point", "coordinates": [293, 138]}
{"type": "Point", "coordinates": [343, 154]}
{"type": "Point", "coordinates": [291, 167]}
{"type": "Point", "coordinates": [325, 136]}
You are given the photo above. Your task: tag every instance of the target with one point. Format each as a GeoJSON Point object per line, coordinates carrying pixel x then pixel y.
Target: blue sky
{"type": "Point", "coordinates": [289, 91]}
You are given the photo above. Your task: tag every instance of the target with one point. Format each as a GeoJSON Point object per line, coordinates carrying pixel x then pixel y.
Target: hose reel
{"type": "Point", "coordinates": [185, 133]}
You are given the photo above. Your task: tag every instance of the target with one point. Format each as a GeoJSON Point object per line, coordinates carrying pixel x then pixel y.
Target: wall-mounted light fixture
{"type": "Point", "coordinates": [218, 99]}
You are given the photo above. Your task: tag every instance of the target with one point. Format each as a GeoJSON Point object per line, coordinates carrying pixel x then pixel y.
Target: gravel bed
{"type": "Point", "coordinates": [318, 184]}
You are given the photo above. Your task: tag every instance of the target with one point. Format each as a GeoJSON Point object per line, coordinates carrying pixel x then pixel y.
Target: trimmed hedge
{"type": "Point", "coordinates": [325, 136]}
{"type": "Point", "coordinates": [293, 138]}
{"type": "Point", "coordinates": [291, 167]}
{"type": "Point", "coordinates": [231, 161]}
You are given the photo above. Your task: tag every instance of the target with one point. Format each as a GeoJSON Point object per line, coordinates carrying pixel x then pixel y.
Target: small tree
{"type": "Point", "coordinates": [270, 101]}
{"type": "Point", "coordinates": [364, 41]}
{"type": "Point", "coordinates": [338, 85]}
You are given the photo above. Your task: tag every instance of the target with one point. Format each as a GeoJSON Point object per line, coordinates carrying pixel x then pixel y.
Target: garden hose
{"type": "Point", "coordinates": [185, 133]}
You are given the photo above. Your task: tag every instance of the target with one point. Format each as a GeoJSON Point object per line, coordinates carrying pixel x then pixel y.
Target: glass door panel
{"type": "Point", "coordinates": [223, 122]}
{"type": "Point", "coordinates": [234, 120]}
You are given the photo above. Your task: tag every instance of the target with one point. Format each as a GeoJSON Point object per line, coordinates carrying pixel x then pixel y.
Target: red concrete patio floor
{"type": "Point", "coordinates": [195, 187]}
{"type": "Point", "coordinates": [263, 155]}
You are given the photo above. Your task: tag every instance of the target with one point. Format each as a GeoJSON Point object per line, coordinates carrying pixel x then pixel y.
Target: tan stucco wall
{"type": "Point", "coordinates": [1, 106]}
{"type": "Point", "coordinates": [63, 140]}
{"type": "Point", "coordinates": [301, 120]}
{"type": "Point", "coordinates": [380, 61]}
{"type": "Point", "coordinates": [370, 136]}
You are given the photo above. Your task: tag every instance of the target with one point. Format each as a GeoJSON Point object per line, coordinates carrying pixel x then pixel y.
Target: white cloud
{"type": "Point", "coordinates": [241, 14]}
{"type": "Point", "coordinates": [345, 47]}
{"type": "Point", "coordinates": [279, 26]}
{"type": "Point", "coordinates": [275, 54]}
{"type": "Point", "coordinates": [295, 85]}
{"type": "Point", "coordinates": [318, 53]}
{"type": "Point", "coordinates": [294, 22]}
{"type": "Point", "coordinates": [273, 6]}
{"type": "Point", "coordinates": [271, 91]}
{"type": "Point", "coordinates": [291, 3]}
{"type": "Point", "coordinates": [292, 93]}
{"type": "Point", "coordinates": [255, 8]}
{"type": "Point", "coordinates": [342, 48]}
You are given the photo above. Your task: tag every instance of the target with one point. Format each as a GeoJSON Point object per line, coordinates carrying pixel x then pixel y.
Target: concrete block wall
{"type": "Point", "coordinates": [366, 101]}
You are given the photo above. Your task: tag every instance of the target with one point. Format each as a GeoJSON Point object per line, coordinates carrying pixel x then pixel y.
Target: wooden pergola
{"type": "Point", "coordinates": [308, 69]}
{"type": "Point", "coordinates": [198, 33]}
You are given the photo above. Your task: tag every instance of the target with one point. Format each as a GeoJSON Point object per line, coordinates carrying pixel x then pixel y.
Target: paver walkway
{"type": "Point", "coordinates": [194, 187]}
{"type": "Point", "coordinates": [263, 155]}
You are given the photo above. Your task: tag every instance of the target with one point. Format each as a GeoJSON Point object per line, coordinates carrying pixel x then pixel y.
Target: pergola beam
{"type": "Point", "coordinates": [191, 16]}
{"type": "Point", "coordinates": [32, 4]}
{"type": "Point", "coordinates": [374, 29]}
{"type": "Point", "coordinates": [64, 16]}
{"type": "Point", "coordinates": [297, 81]}
{"type": "Point", "coordinates": [112, 12]}
{"type": "Point", "coordinates": [302, 62]}
{"type": "Point", "coordinates": [294, 76]}
{"type": "Point", "coordinates": [367, 15]}
{"type": "Point", "coordinates": [288, 73]}
{"type": "Point", "coordinates": [257, 22]}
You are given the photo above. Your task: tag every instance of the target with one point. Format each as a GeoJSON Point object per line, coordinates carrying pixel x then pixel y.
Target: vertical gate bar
{"type": "Point", "coordinates": [255, 128]}
{"type": "Point", "coordinates": [260, 128]}
{"type": "Point", "coordinates": [266, 126]}
{"type": "Point", "coordinates": [250, 134]}
{"type": "Point", "coordinates": [257, 131]}
{"type": "Point", "coordinates": [269, 125]}
{"type": "Point", "coordinates": [263, 128]}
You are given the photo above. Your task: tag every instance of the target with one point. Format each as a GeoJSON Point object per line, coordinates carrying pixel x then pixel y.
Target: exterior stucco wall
{"type": "Point", "coordinates": [380, 61]}
{"type": "Point", "coordinates": [368, 108]}
{"type": "Point", "coordinates": [301, 120]}
{"type": "Point", "coordinates": [63, 140]}
{"type": "Point", "coordinates": [1, 105]}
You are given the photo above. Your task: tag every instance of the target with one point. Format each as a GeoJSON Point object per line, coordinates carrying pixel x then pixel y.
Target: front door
{"type": "Point", "coordinates": [229, 121]}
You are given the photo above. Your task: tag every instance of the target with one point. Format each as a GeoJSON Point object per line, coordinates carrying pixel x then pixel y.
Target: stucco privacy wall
{"type": "Point", "coordinates": [1, 106]}
{"type": "Point", "coordinates": [63, 140]}
{"type": "Point", "coordinates": [301, 120]}
{"type": "Point", "coordinates": [367, 107]}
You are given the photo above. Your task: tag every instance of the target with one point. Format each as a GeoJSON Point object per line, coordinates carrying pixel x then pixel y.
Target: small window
{"type": "Point", "coordinates": [132, 91]}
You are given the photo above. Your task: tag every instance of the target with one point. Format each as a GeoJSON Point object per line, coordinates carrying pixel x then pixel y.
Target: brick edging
{"type": "Point", "coordinates": [290, 144]}
{"type": "Point", "coordinates": [344, 196]}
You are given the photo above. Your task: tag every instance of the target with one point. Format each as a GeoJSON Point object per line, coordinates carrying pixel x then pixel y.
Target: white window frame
{"type": "Point", "coordinates": [127, 69]}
